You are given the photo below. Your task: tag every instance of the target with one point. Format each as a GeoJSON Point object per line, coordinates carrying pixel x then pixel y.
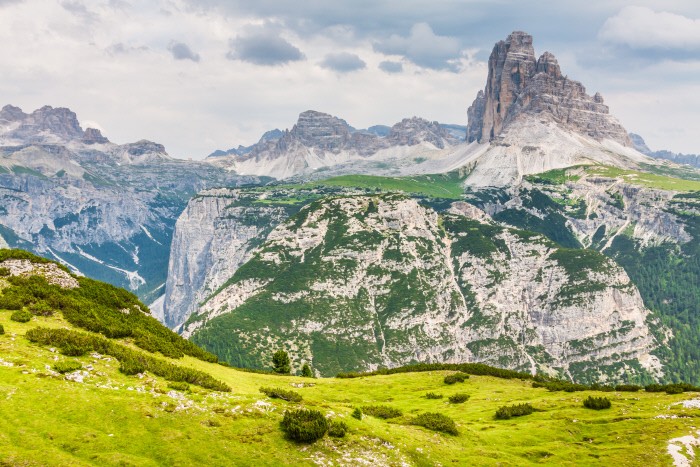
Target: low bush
{"type": "Point", "coordinates": [132, 361]}
{"type": "Point", "coordinates": [456, 378]}
{"type": "Point", "coordinates": [2, 330]}
{"type": "Point", "coordinates": [279, 393]}
{"type": "Point", "coordinates": [21, 316]}
{"type": "Point", "coordinates": [306, 371]}
{"type": "Point", "coordinates": [459, 398]}
{"type": "Point", "coordinates": [554, 386]}
{"type": "Point", "coordinates": [675, 388]}
{"type": "Point", "coordinates": [436, 422]}
{"type": "Point", "coordinates": [381, 411]}
{"type": "Point", "coordinates": [41, 309]}
{"type": "Point", "coordinates": [179, 385]}
{"type": "Point", "coordinates": [131, 366]}
{"type": "Point", "coordinates": [468, 368]}
{"type": "Point", "coordinates": [627, 388]}
{"type": "Point", "coordinates": [4, 272]}
{"type": "Point", "coordinates": [304, 425]}
{"type": "Point", "coordinates": [337, 429]}
{"type": "Point", "coordinates": [518, 410]}
{"type": "Point", "coordinates": [357, 413]}
{"type": "Point", "coordinates": [67, 366]}
{"type": "Point", "coordinates": [433, 395]}
{"type": "Point", "coordinates": [597, 403]}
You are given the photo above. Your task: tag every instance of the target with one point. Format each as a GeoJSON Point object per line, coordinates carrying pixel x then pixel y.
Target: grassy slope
{"type": "Point", "coordinates": [47, 420]}
{"type": "Point", "coordinates": [437, 186]}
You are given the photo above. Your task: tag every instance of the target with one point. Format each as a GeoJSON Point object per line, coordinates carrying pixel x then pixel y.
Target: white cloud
{"type": "Point", "coordinates": [642, 27]}
{"type": "Point", "coordinates": [423, 47]}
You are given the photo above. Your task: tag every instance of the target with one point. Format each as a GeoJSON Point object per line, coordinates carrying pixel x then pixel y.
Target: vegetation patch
{"type": "Point", "coordinates": [455, 378]}
{"type": "Point", "coordinates": [284, 394]}
{"type": "Point", "coordinates": [597, 403]}
{"type": "Point", "coordinates": [67, 366]}
{"type": "Point", "coordinates": [381, 411]}
{"type": "Point", "coordinates": [436, 422]}
{"type": "Point", "coordinates": [357, 413]}
{"type": "Point", "coordinates": [132, 361]}
{"type": "Point", "coordinates": [510, 411]}
{"type": "Point", "coordinates": [479, 369]}
{"type": "Point", "coordinates": [459, 398]}
{"type": "Point", "coordinates": [433, 395]}
{"type": "Point", "coordinates": [304, 425]}
{"type": "Point", "coordinates": [337, 428]}
{"type": "Point", "coordinates": [21, 316]}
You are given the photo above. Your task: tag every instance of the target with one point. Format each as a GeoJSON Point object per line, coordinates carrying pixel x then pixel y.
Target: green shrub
{"type": "Point", "coordinates": [560, 386]}
{"type": "Point", "coordinates": [278, 393]}
{"type": "Point", "coordinates": [2, 330]}
{"type": "Point", "coordinates": [597, 403]}
{"type": "Point", "coordinates": [132, 366]}
{"type": "Point", "coordinates": [381, 411]}
{"type": "Point", "coordinates": [357, 413]}
{"type": "Point", "coordinates": [337, 428]}
{"type": "Point", "coordinates": [21, 316]}
{"type": "Point", "coordinates": [433, 395]}
{"type": "Point", "coordinates": [41, 309]}
{"type": "Point", "coordinates": [518, 410]}
{"type": "Point", "coordinates": [306, 371]}
{"type": "Point", "coordinates": [674, 389]}
{"type": "Point", "coordinates": [4, 272]}
{"type": "Point", "coordinates": [627, 388]}
{"type": "Point", "coordinates": [456, 378]}
{"type": "Point", "coordinates": [10, 302]}
{"type": "Point", "coordinates": [281, 363]}
{"type": "Point", "coordinates": [67, 366]}
{"type": "Point", "coordinates": [459, 398]}
{"type": "Point", "coordinates": [436, 422]}
{"type": "Point", "coordinates": [179, 385]}
{"type": "Point", "coordinates": [304, 425]}
{"type": "Point", "coordinates": [74, 349]}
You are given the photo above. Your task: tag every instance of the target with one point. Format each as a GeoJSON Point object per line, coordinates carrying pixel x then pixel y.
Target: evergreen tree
{"type": "Point", "coordinates": [281, 363]}
{"type": "Point", "coordinates": [306, 371]}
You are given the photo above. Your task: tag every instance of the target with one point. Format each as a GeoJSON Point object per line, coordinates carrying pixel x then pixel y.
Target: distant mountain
{"type": "Point", "coordinates": [103, 209]}
{"type": "Point", "coordinates": [678, 158]}
{"type": "Point", "coordinates": [321, 142]}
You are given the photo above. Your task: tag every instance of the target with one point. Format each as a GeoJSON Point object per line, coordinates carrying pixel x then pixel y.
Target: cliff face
{"type": "Point", "coordinates": [388, 282]}
{"type": "Point", "coordinates": [519, 85]}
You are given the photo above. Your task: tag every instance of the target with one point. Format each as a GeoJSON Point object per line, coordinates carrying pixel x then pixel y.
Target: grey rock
{"type": "Point", "coordinates": [519, 86]}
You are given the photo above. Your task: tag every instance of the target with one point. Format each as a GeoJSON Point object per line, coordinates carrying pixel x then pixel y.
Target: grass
{"type": "Point", "coordinates": [45, 422]}
{"type": "Point", "coordinates": [645, 179]}
{"type": "Point", "coordinates": [435, 186]}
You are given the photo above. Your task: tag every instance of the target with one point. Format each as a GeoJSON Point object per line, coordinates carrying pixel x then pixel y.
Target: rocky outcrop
{"type": "Point", "coordinates": [94, 136]}
{"type": "Point", "coordinates": [391, 282]}
{"type": "Point", "coordinates": [518, 86]}
{"type": "Point", "coordinates": [212, 238]}
{"type": "Point", "coordinates": [678, 158]}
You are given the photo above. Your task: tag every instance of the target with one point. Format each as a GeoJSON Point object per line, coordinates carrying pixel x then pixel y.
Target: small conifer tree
{"type": "Point", "coordinates": [281, 363]}
{"type": "Point", "coordinates": [306, 371]}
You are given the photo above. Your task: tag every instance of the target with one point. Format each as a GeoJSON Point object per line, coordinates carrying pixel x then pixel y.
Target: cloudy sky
{"type": "Point", "coordinates": [212, 74]}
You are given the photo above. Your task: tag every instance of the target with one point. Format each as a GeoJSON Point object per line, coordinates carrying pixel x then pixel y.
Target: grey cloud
{"type": "Point", "coordinates": [182, 51]}
{"type": "Point", "coordinates": [263, 46]}
{"type": "Point", "coordinates": [79, 9]}
{"type": "Point", "coordinates": [422, 47]}
{"type": "Point", "coordinates": [343, 62]}
{"type": "Point", "coordinates": [391, 67]}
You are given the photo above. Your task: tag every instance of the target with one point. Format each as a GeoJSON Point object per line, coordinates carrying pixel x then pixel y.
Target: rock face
{"type": "Point", "coordinates": [519, 84]}
{"type": "Point", "coordinates": [678, 158]}
{"type": "Point", "coordinates": [354, 283]}
{"type": "Point", "coordinates": [212, 238]}
{"type": "Point", "coordinates": [103, 209]}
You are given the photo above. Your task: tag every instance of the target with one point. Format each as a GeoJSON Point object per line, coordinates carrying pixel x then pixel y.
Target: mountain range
{"type": "Point", "coordinates": [541, 237]}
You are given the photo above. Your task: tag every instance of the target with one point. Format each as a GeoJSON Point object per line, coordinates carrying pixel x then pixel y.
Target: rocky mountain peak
{"type": "Point", "coordinates": [10, 113]}
{"type": "Point", "coordinates": [94, 136]}
{"type": "Point", "coordinates": [518, 86]}
{"type": "Point", "coordinates": [320, 130]}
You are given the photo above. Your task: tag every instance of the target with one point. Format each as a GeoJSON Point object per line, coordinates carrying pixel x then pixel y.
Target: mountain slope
{"type": "Point", "coordinates": [391, 282]}
{"type": "Point", "coordinates": [99, 415]}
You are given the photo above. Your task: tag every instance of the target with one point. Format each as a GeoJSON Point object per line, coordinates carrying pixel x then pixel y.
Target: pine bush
{"type": "Point", "coordinates": [597, 403]}
{"type": "Point", "coordinates": [381, 411]}
{"type": "Point", "coordinates": [459, 398]}
{"type": "Point", "coordinates": [337, 428]}
{"type": "Point", "coordinates": [67, 366]}
{"type": "Point", "coordinates": [518, 410]}
{"type": "Point", "coordinates": [279, 393]}
{"type": "Point", "coordinates": [357, 413]}
{"type": "Point", "coordinates": [21, 316]}
{"type": "Point", "coordinates": [436, 422]}
{"type": "Point", "coordinates": [433, 395]}
{"type": "Point", "coordinates": [304, 425]}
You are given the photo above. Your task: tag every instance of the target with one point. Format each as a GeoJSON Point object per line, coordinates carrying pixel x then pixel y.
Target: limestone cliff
{"type": "Point", "coordinates": [518, 85]}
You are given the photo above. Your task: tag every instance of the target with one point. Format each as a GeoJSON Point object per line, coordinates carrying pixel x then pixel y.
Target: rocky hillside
{"type": "Point", "coordinates": [103, 209]}
{"type": "Point", "coordinates": [361, 282]}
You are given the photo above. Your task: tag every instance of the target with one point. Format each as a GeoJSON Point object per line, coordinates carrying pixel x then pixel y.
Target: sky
{"type": "Point", "coordinates": [201, 75]}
